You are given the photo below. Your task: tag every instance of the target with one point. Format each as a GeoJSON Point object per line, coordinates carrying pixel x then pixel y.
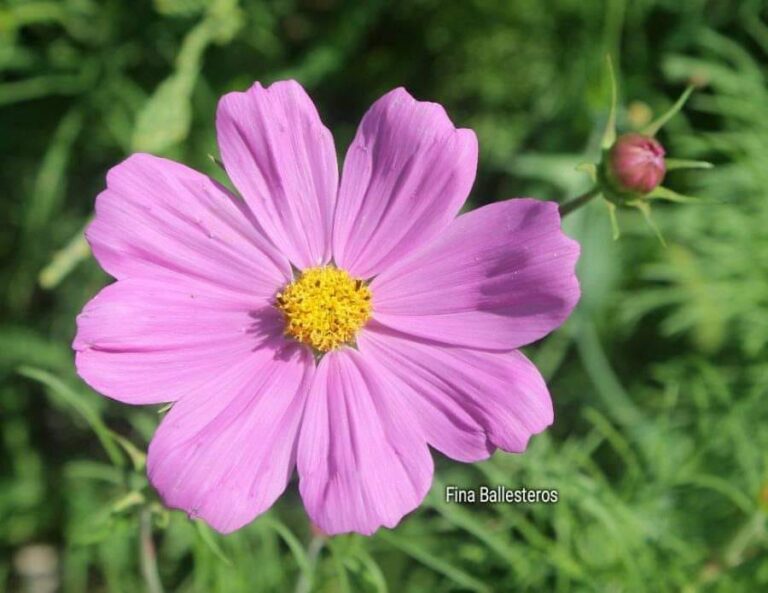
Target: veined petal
{"type": "Point", "coordinates": [158, 217]}
{"type": "Point", "coordinates": [362, 461]}
{"type": "Point", "coordinates": [406, 175]}
{"type": "Point", "coordinates": [498, 278]}
{"type": "Point", "coordinates": [282, 160]}
{"type": "Point", "coordinates": [226, 454]}
{"type": "Point", "coordinates": [467, 401]}
{"type": "Point", "coordinates": [144, 341]}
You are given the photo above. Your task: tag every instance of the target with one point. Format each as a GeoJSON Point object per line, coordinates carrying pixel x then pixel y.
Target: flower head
{"type": "Point", "coordinates": [324, 307]}
{"type": "Point", "coordinates": [636, 164]}
{"type": "Point", "coordinates": [340, 327]}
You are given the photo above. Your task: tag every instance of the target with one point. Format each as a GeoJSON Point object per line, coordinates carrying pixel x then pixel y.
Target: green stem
{"type": "Point", "coordinates": [304, 584]}
{"type": "Point", "coordinates": [148, 553]}
{"type": "Point", "coordinates": [736, 552]}
{"type": "Point", "coordinates": [576, 203]}
{"type": "Point", "coordinates": [607, 385]}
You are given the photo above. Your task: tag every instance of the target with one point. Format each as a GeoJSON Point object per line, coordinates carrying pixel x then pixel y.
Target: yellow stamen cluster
{"type": "Point", "coordinates": [325, 307]}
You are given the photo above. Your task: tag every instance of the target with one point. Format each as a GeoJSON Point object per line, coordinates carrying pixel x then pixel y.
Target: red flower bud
{"type": "Point", "coordinates": [636, 163]}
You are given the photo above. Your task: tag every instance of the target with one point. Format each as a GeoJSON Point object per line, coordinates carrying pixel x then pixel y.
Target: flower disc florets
{"type": "Point", "coordinates": [325, 307]}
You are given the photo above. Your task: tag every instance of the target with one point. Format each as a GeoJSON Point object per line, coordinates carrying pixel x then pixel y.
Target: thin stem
{"type": "Point", "coordinates": [304, 584]}
{"type": "Point", "coordinates": [576, 203]}
{"type": "Point", "coordinates": [607, 384]}
{"type": "Point", "coordinates": [738, 549]}
{"type": "Point", "coordinates": [148, 554]}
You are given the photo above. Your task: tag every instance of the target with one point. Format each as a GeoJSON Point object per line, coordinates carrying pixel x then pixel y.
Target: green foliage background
{"type": "Point", "coordinates": [660, 379]}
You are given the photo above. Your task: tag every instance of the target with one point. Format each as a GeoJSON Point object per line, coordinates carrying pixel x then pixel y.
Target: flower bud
{"type": "Point", "coordinates": [636, 164]}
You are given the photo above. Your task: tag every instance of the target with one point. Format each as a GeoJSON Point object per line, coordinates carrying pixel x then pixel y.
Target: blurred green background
{"type": "Point", "coordinates": [660, 378]}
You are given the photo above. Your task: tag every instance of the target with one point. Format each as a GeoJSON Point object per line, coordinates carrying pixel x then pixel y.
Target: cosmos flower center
{"type": "Point", "coordinates": [325, 307]}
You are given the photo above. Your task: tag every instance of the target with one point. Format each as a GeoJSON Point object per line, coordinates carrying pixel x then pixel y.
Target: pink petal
{"type": "Point", "coordinates": [467, 401]}
{"type": "Point", "coordinates": [283, 161]}
{"type": "Point", "coordinates": [498, 278]}
{"type": "Point", "coordinates": [362, 461]}
{"type": "Point", "coordinates": [226, 454]}
{"type": "Point", "coordinates": [144, 341]}
{"type": "Point", "coordinates": [406, 175]}
{"type": "Point", "coordinates": [158, 217]}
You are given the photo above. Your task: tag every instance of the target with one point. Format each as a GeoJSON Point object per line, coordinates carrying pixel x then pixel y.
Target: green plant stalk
{"type": "Point", "coordinates": [304, 583]}
{"type": "Point", "coordinates": [578, 202]}
{"type": "Point", "coordinates": [148, 554]}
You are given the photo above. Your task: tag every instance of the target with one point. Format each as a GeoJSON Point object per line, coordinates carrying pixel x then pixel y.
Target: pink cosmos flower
{"type": "Point", "coordinates": [339, 327]}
